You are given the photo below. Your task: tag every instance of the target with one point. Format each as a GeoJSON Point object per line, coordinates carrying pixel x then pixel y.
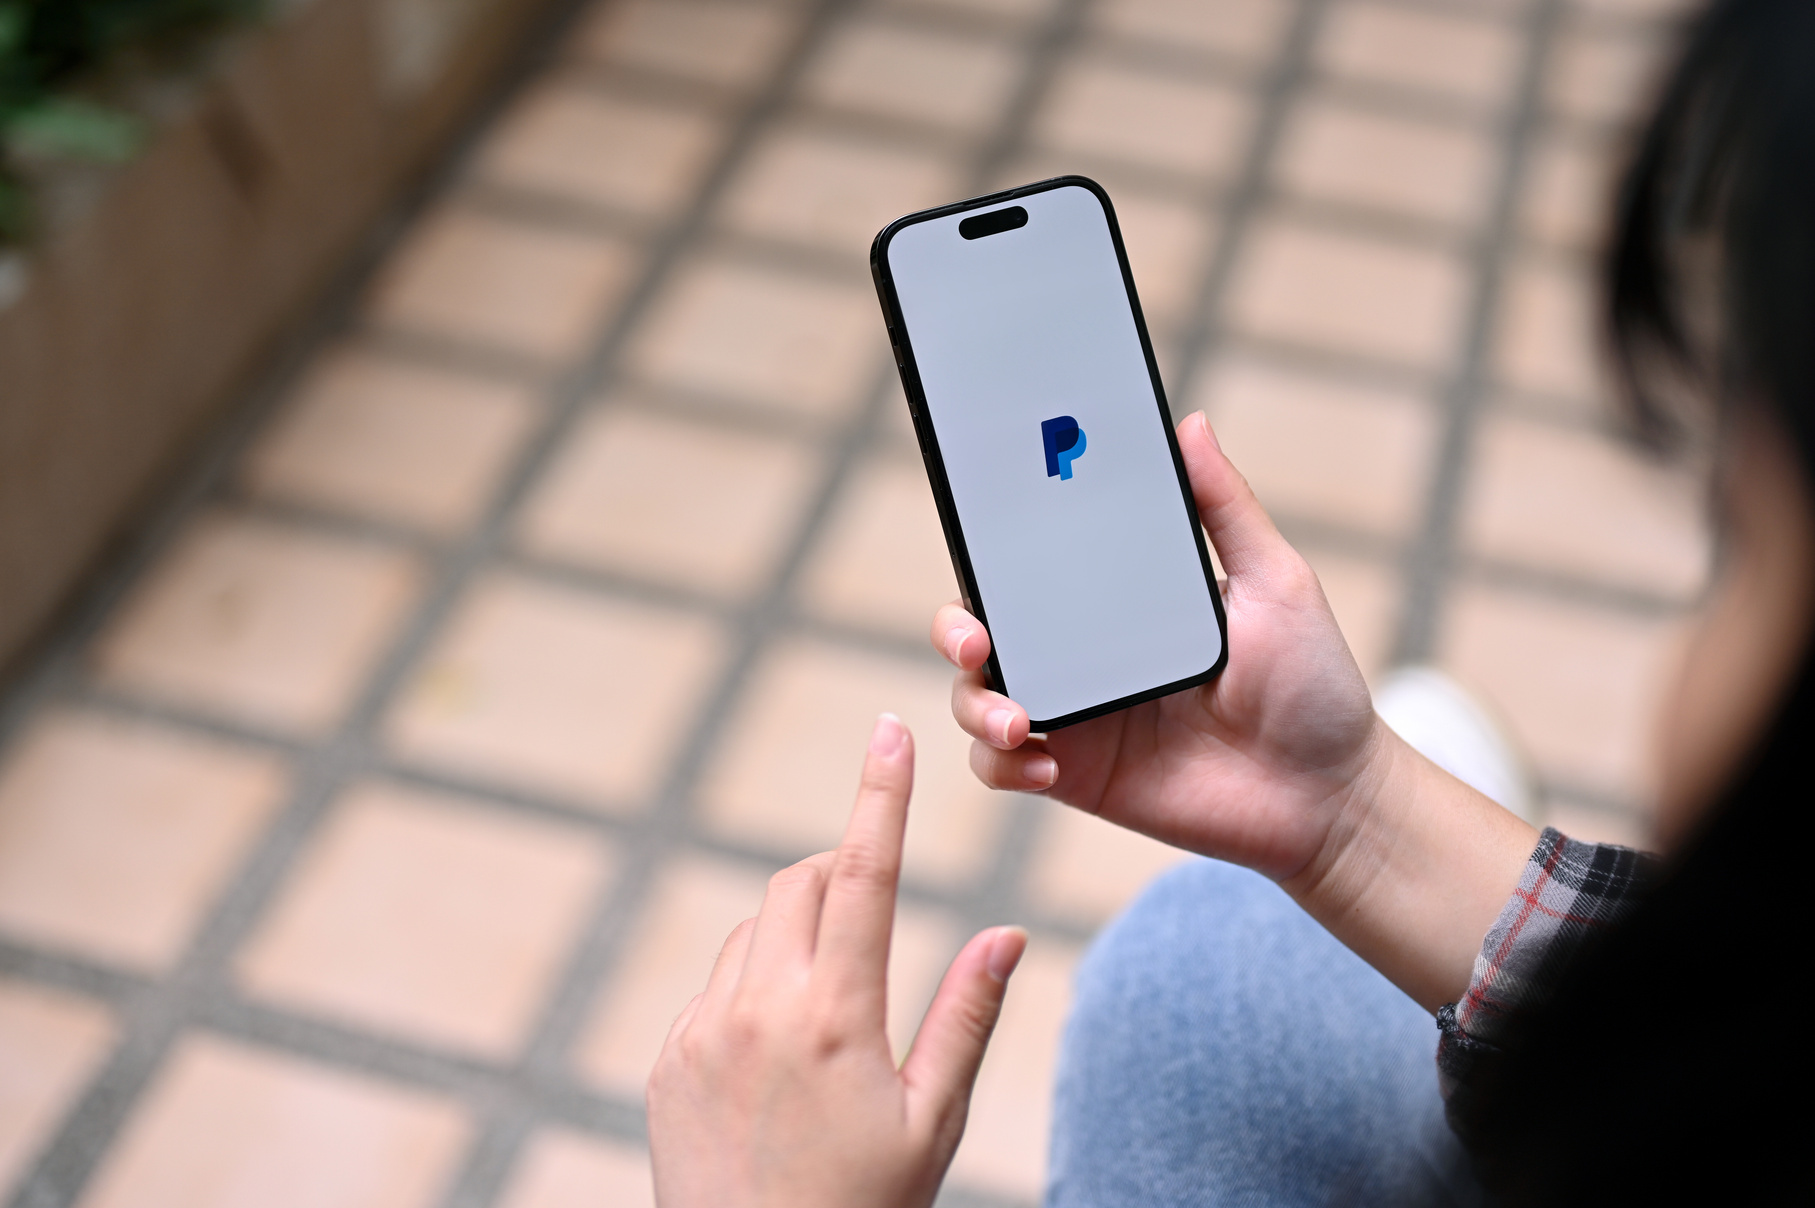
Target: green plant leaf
{"type": "Point", "coordinates": [15, 211]}
{"type": "Point", "coordinates": [68, 128]}
{"type": "Point", "coordinates": [13, 20]}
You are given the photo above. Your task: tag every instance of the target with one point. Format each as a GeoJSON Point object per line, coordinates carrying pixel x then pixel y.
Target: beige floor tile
{"type": "Point", "coordinates": [898, 421]}
{"type": "Point", "coordinates": [51, 1042]}
{"type": "Point", "coordinates": [427, 918]}
{"type": "Point", "coordinates": [1635, 10]}
{"type": "Point", "coordinates": [730, 43]}
{"type": "Point", "coordinates": [115, 836]}
{"type": "Point", "coordinates": [562, 1169]}
{"type": "Point", "coordinates": [881, 562]}
{"type": "Point", "coordinates": [1396, 164]}
{"type": "Point", "coordinates": [1004, 1147]}
{"type": "Point", "coordinates": [796, 344]}
{"type": "Point", "coordinates": [559, 690]}
{"type": "Point", "coordinates": [1168, 245]}
{"type": "Point", "coordinates": [269, 623]}
{"type": "Point", "coordinates": [1366, 596]}
{"type": "Point", "coordinates": [1370, 297]}
{"type": "Point", "coordinates": [1470, 56]}
{"type": "Point", "coordinates": [922, 75]}
{"type": "Point", "coordinates": [1249, 28]}
{"type": "Point", "coordinates": [1605, 77]}
{"type": "Point", "coordinates": [1578, 686]}
{"type": "Point", "coordinates": [672, 499]}
{"type": "Point", "coordinates": [695, 905]}
{"type": "Point", "coordinates": [1085, 870]}
{"type": "Point", "coordinates": [835, 191]}
{"type": "Point", "coordinates": [566, 139]}
{"type": "Point", "coordinates": [1585, 504]}
{"type": "Point", "coordinates": [1547, 331]}
{"type": "Point", "coordinates": [924, 943]}
{"type": "Point", "coordinates": [784, 774]}
{"type": "Point", "coordinates": [1122, 113]}
{"type": "Point", "coordinates": [1599, 826]}
{"type": "Point", "coordinates": [1600, 414]}
{"type": "Point", "coordinates": [1322, 448]}
{"type": "Point", "coordinates": [536, 290]}
{"type": "Point", "coordinates": [224, 1125]}
{"type": "Point", "coordinates": [1011, 10]}
{"type": "Point", "coordinates": [1168, 351]}
{"type": "Point", "coordinates": [1567, 197]}
{"type": "Point", "coordinates": [379, 436]}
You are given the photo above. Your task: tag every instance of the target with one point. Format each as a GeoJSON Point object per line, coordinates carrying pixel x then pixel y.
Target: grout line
{"type": "Point", "coordinates": [470, 1080]}
{"type": "Point", "coordinates": [1430, 564]}
{"type": "Point", "coordinates": [125, 705]}
{"type": "Point", "coordinates": [355, 528]}
{"type": "Point", "coordinates": [1426, 104]}
{"type": "Point", "coordinates": [1307, 533]}
{"type": "Point", "coordinates": [1568, 588]}
{"type": "Point", "coordinates": [447, 354]}
{"type": "Point", "coordinates": [118, 988]}
{"type": "Point", "coordinates": [550, 209]}
{"type": "Point", "coordinates": [1209, 65]}
{"type": "Point", "coordinates": [1376, 223]}
{"type": "Point", "coordinates": [789, 257]}
{"type": "Point", "coordinates": [1238, 209]}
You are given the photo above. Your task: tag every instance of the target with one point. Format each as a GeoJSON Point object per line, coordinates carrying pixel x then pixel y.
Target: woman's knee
{"type": "Point", "coordinates": [1183, 937]}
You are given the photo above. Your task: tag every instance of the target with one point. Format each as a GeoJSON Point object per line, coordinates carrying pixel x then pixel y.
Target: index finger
{"type": "Point", "coordinates": [852, 957]}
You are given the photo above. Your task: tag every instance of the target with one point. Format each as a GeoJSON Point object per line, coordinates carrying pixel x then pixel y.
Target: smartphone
{"type": "Point", "coordinates": [1041, 418]}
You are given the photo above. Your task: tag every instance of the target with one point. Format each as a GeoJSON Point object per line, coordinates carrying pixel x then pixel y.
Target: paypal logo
{"type": "Point", "coordinates": [1064, 442]}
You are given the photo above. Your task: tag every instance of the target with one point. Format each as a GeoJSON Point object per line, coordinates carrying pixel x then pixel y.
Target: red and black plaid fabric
{"type": "Point", "coordinates": [1568, 892]}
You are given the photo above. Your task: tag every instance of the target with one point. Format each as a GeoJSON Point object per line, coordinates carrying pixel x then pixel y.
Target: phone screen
{"type": "Point", "coordinates": [1086, 555]}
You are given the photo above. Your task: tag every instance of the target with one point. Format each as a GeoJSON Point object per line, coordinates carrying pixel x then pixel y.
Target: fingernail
{"type": "Point", "coordinates": [954, 642]}
{"type": "Point", "coordinates": [998, 722]}
{"type": "Point", "coordinates": [1203, 422]}
{"type": "Point", "coordinates": [1042, 770]}
{"type": "Point", "coordinates": [1005, 951]}
{"type": "Point", "coordinates": [888, 735]}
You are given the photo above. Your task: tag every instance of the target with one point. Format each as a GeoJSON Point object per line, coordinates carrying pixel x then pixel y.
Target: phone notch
{"type": "Point", "coordinates": [993, 223]}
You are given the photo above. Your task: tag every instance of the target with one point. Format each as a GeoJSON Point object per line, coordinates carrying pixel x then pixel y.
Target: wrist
{"type": "Point", "coordinates": [1414, 869]}
{"type": "Point", "coordinates": [1337, 877]}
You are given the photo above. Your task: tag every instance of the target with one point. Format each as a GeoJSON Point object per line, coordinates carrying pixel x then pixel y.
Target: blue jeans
{"type": "Point", "coordinates": [1225, 1049]}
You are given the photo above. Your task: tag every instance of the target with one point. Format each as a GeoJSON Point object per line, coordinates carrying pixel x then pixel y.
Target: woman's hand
{"type": "Point", "coordinates": [1251, 767]}
{"type": "Point", "coordinates": [1279, 764]}
{"type": "Point", "coordinates": [776, 1087]}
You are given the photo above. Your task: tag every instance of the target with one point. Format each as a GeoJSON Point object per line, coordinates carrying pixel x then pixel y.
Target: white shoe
{"type": "Point", "coordinates": [1438, 717]}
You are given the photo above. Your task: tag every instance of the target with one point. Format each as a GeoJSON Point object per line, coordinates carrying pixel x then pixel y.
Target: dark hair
{"type": "Point", "coordinates": [1671, 1066]}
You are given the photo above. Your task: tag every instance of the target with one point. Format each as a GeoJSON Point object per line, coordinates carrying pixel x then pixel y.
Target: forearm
{"type": "Point", "coordinates": [1415, 869]}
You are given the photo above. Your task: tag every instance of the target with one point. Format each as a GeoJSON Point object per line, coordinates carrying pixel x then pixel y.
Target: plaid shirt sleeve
{"type": "Point", "coordinates": [1568, 892]}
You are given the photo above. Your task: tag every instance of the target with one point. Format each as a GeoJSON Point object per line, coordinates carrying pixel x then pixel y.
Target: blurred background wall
{"type": "Point", "coordinates": [140, 299]}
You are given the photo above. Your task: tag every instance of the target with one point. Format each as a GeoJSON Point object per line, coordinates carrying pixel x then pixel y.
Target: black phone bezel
{"type": "Point", "coordinates": [935, 461]}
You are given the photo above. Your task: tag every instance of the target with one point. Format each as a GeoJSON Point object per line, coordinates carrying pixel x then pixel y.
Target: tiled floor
{"type": "Point", "coordinates": [359, 847]}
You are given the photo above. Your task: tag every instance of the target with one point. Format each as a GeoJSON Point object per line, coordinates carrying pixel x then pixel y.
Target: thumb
{"type": "Point", "coordinates": [942, 1065]}
{"type": "Point", "coordinates": [1239, 527]}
